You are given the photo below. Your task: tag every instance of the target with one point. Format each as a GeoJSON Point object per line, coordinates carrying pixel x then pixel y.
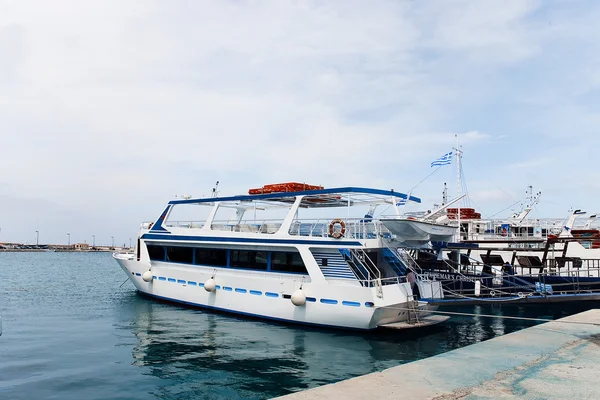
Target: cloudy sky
{"type": "Point", "coordinates": [110, 108]}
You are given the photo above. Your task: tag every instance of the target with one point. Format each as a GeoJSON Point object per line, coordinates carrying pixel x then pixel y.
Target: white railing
{"type": "Point", "coordinates": [184, 224]}
{"type": "Point", "coordinates": [258, 226]}
{"type": "Point", "coordinates": [355, 228]}
{"type": "Point", "coordinates": [383, 281]}
{"type": "Point", "coordinates": [527, 229]}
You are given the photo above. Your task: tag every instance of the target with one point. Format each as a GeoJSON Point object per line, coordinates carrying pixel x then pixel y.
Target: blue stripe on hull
{"type": "Point", "coordinates": [266, 241]}
{"type": "Point", "coordinates": [224, 310]}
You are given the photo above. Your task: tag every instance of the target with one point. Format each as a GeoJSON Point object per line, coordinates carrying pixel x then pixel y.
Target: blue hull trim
{"type": "Point", "coordinates": [160, 236]}
{"type": "Point", "coordinates": [250, 315]}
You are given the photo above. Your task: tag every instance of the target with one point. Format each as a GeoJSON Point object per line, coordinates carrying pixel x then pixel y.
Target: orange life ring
{"type": "Point", "coordinates": [337, 234]}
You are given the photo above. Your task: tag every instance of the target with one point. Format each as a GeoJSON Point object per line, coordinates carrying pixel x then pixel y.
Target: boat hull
{"type": "Point", "coordinates": [267, 295]}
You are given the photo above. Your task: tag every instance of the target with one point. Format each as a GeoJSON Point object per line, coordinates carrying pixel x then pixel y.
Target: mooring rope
{"type": "Point", "coordinates": [492, 316]}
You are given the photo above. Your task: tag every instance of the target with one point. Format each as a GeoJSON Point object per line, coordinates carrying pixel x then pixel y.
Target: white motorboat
{"type": "Point", "coordinates": [414, 233]}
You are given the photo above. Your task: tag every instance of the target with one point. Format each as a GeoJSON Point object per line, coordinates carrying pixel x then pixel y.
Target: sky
{"type": "Point", "coordinates": [108, 109]}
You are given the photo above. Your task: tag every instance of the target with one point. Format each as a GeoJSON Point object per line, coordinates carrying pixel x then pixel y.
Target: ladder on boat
{"type": "Point", "coordinates": [413, 312]}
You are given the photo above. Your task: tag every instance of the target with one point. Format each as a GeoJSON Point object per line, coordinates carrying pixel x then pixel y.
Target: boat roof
{"type": "Point", "coordinates": [333, 197]}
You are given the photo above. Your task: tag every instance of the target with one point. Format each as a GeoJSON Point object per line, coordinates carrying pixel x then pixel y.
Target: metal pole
{"type": "Point", "coordinates": [129, 242]}
{"type": "Point", "coordinates": [458, 189]}
{"type": "Point", "coordinates": [113, 241]}
{"type": "Point", "coordinates": [37, 238]}
{"type": "Point", "coordinates": [69, 240]}
{"type": "Point", "coordinates": [93, 240]}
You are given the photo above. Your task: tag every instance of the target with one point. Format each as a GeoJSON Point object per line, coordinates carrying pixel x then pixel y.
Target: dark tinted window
{"type": "Point", "coordinates": [213, 257]}
{"type": "Point", "coordinates": [157, 253]}
{"type": "Point", "coordinates": [248, 259]}
{"type": "Point", "coordinates": [180, 254]}
{"type": "Point", "coordinates": [492, 259]}
{"type": "Point", "coordinates": [287, 262]}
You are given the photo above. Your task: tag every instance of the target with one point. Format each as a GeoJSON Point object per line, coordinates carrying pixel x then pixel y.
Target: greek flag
{"type": "Point", "coordinates": [401, 202]}
{"type": "Point", "coordinates": [443, 160]}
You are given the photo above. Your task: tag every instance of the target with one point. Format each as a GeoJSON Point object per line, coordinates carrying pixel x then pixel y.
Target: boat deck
{"type": "Point", "coordinates": [423, 322]}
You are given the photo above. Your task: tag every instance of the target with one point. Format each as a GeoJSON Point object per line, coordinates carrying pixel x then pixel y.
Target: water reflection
{"type": "Point", "coordinates": [206, 355]}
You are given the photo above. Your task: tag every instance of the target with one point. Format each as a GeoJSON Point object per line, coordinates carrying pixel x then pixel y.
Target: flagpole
{"type": "Point", "coordinates": [458, 189]}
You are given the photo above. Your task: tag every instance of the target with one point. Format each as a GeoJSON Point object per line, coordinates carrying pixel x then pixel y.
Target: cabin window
{"type": "Point", "coordinates": [180, 254]}
{"type": "Point", "coordinates": [249, 259]}
{"type": "Point", "coordinates": [157, 253]}
{"type": "Point", "coordinates": [287, 262]}
{"type": "Point", "coordinates": [212, 257]}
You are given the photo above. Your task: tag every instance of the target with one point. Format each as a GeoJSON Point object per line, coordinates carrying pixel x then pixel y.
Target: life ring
{"type": "Point", "coordinates": [337, 234]}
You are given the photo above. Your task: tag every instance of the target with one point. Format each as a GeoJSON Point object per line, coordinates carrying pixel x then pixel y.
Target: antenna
{"type": "Point", "coordinates": [215, 192]}
{"type": "Point", "coordinates": [445, 194]}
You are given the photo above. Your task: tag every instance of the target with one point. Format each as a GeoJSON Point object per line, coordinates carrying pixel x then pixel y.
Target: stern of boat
{"type": "Point", "coordinates": [397, 303]}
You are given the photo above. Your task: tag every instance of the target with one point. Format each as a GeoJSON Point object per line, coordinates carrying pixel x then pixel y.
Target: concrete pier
{"type": "Point", "coordinates": [554, 360]}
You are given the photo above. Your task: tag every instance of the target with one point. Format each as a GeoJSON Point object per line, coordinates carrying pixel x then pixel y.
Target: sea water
{"type": "Point", "coordinates": [74, 328]}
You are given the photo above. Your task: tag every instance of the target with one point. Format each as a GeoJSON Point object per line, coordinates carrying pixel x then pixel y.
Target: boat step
{"type": "Point", "coordinates": [423, 322]}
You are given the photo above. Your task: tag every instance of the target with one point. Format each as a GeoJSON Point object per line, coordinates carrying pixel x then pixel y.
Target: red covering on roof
{"type": "Point", "coordinates": [284, 188]}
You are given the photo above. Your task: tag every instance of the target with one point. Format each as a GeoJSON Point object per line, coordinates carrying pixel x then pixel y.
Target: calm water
{"type": "Point", "coordinates": [71, 331]}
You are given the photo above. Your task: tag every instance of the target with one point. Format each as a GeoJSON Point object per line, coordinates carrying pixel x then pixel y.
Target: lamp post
{"type": "Point", "coordinates": [93, 240]}
{"type": "Point", "coordinates": [129, 242]}
{"type": "Point", "coordinates": [113, 241]}
{"type": "Point", "coordinates": [37, 238]}
{"type": "Point", "coordinates": [69, 239]}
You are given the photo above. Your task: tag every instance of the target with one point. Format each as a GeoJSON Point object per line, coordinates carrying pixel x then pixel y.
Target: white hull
{"type": "Point", "coordinates": [261, 294]}
{"type": "Point", "coordinates": [419, 232]}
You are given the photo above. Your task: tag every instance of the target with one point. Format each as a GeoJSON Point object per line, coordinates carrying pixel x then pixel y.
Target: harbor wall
{"type": "Point", "coordinates": [554, 360]}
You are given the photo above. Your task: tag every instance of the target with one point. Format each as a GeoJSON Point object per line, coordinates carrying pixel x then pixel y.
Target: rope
{"type": "Point", "coordinates": [491, 300]}
{"type": "Point", "coordinates": [423, 180]}
{"type": "Point", "coordinates": [497, 316]}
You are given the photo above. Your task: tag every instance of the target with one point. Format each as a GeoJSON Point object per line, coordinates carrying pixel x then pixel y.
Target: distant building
{"type": "Point", "coordinates": [81, 246]}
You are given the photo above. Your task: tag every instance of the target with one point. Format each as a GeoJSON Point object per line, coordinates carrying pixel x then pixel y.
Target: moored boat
{"type": "Point", "coordinates": [254, 255]}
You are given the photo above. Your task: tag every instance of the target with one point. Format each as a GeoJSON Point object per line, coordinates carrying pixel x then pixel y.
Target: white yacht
{"type": "Point", "coordinates": [288, 252]}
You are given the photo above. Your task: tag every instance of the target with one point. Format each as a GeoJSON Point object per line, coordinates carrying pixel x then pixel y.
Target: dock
{"type": "Point", "coordinates": [553, 360]}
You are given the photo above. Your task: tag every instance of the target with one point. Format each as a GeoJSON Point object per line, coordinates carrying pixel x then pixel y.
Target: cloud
{"type": "Point", "coordinates": [110, 108]}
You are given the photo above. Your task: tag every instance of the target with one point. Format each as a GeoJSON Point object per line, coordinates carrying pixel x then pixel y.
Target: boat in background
{"type": "Point", "coordinates": [413, 232]}
{"type": "Point", "coordinates": [523, 270]}
{"type": "Point", "coordinates": [419, 230]}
